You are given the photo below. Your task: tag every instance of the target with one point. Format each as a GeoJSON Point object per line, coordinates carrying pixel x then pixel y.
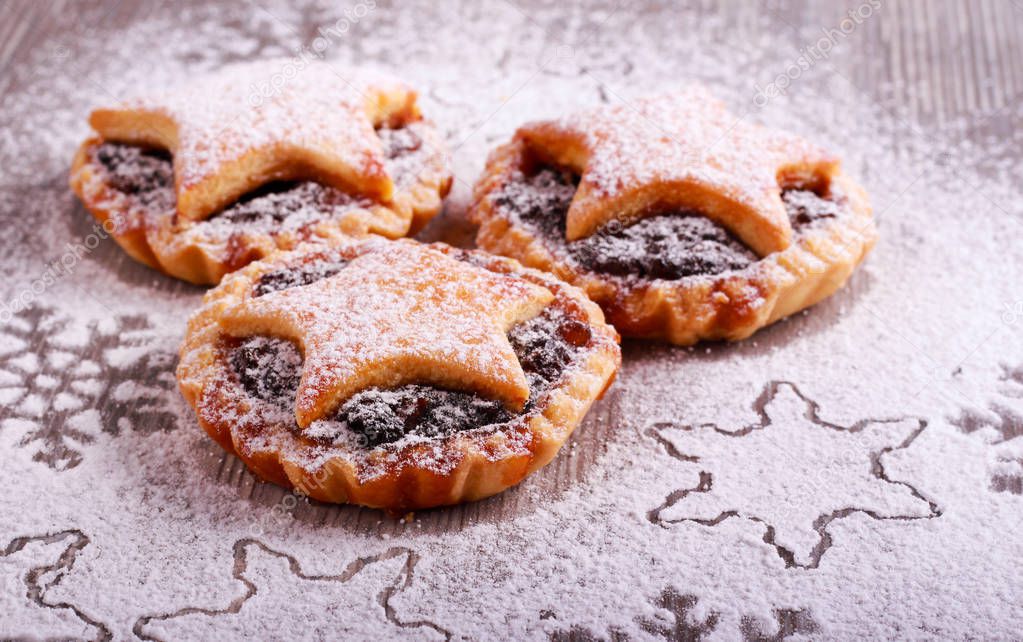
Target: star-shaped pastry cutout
{"type": "Point", "coordinates": [278, 595]}
{"type": "Point", "coordinates": [680, 150]}
{"type": "Point", "coordinates": [249, 124]}
{"type": "Point", "coordinates": [400, 313]}
{"type": "Point", "coordinates": [792, 472]}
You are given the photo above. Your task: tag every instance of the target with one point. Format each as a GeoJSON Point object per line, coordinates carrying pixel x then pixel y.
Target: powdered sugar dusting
{"type": "Point", "coordinates": [143, 195]}
{"type": "Point", "coordinates": [158, 532]}
{"type": "Point", "coordinates": [682, 137]}
{"type": "Point", "coordinates": [670, 245]}
{"type": "Point", "coordinates": [269, 370]}
{"type": "Point", "coordinates": [397, 311]}
{"type": "Point", "coordinates": [246, 110]}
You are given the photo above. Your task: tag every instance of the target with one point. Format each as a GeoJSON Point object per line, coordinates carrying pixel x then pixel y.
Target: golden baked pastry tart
{"type": "Point", "coordinates": [680, 220]}
{"type": "Point", "coordinates": [394, 374]}
{"type": "Point", "coordinates": [200, 180]}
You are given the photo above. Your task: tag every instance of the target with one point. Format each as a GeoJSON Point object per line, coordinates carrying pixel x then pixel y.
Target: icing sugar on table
{"type": "Point", "coordinates": [854, 471]}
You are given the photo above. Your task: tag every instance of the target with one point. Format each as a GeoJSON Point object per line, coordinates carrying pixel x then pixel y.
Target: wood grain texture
{"type": "Point", "coordinates": [926, 63]}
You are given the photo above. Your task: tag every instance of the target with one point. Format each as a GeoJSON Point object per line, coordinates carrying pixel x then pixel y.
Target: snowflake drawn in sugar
{"type": "Point", "coordinates": [792, 472]}
{"type": "Point", "coordinates": [1001, 423]}
{"type": "Point", "coordinates": [676, 619]}
{"type": "Point", "coordinates": [279, 596]}
{"type": "Point", "coordinates": [63, 383]}
{"type": "Point", "coordinates": [31, 567]}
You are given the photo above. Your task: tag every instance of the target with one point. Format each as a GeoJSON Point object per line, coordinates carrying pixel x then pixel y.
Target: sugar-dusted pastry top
{"type": "Point", "coordinates": [402, 314]}
{"type": "Point", "coordinates": [680, 150]}
{"type": "Point", "coordinates": [670, 245]}
{"type": "Point", "coordinates": [249, 124]}
{"type": "Point", "coordinates": [143, 178]}
{"type": "Point", "coordinates": [428, 343]}
{"type": "Point", "coordinates": [270, 369]}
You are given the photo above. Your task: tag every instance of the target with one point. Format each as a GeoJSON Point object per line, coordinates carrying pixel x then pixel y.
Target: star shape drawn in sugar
{"type": "Point", "coordinates": [30, 567]}
{"type": "Point", "coordinates": [792, 472]}
{"type": "Point", "coordinates": [681, 150]}
{"type": "Point", "coordinates": [278, 598]}
{"type": "Point", "coordinates": [237, 129]}
{"type": "Point", "coordinates": [400, 313]}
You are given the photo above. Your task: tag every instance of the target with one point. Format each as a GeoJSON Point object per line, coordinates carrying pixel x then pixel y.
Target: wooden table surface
{"type": "Point", "coordinates": [928, 65]}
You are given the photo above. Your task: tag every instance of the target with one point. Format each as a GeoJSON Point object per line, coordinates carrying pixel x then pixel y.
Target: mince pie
{"type": "Point", "coordinates": [682, 221]}
{"type": "Point", "coordinates": [394, 374]}
{"type": "Point", "coordinates": [201, 180]}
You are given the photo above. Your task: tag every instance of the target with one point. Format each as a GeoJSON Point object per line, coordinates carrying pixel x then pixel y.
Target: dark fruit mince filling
{"type": "Point", "coordinates": [285, 278]}
{"type": "Point", "coordinates": [269, 369]}
{"type": "Point", "coordinates": [144, 174]}
{"type": "Point", "coordinates": [806, 207]}
{"type": "Point", "coordinates": [672, 245]}
{"type": "Point", "coordinates": [147, 175]}
{"type": "Point", "coordinates": [667, 246]}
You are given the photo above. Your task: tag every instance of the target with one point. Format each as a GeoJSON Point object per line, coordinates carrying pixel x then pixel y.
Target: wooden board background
{"type": "Point", "coordinates": [926, 63]}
